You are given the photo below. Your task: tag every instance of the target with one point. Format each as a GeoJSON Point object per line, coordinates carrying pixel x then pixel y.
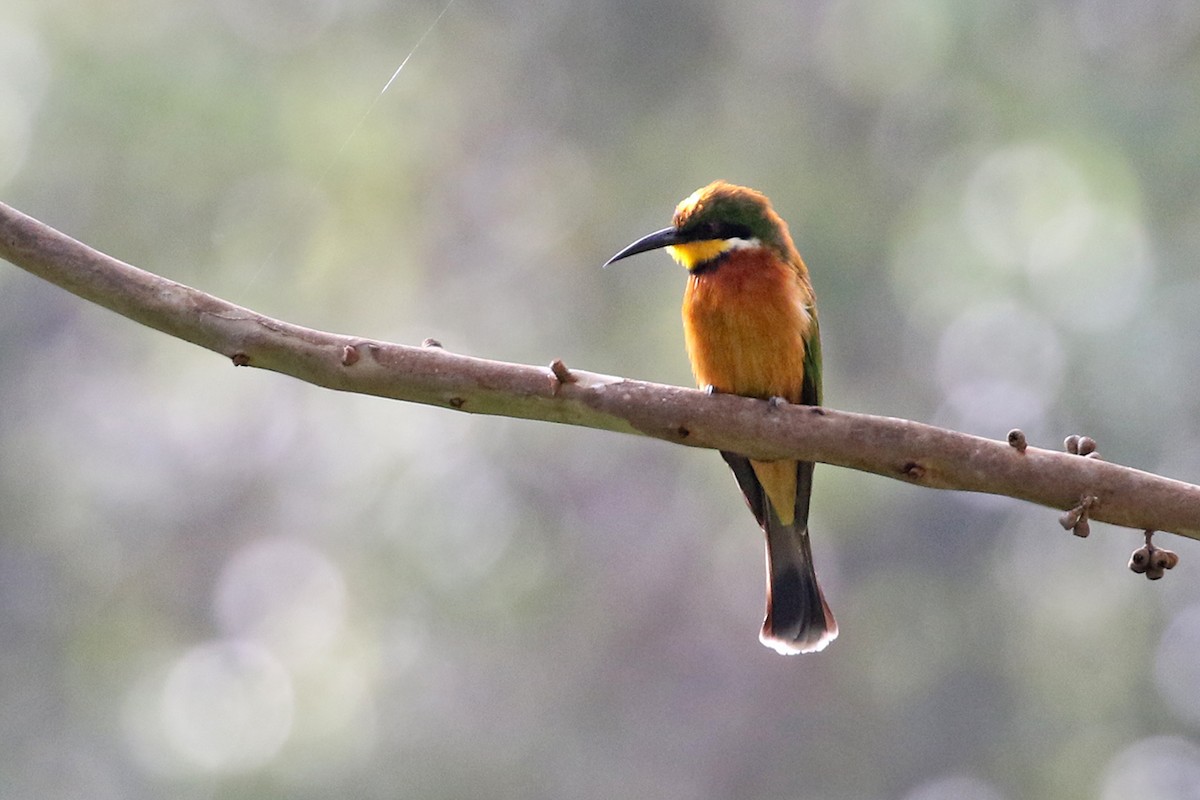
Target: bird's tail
{"type": "Point", "coordinates": [798, 618]}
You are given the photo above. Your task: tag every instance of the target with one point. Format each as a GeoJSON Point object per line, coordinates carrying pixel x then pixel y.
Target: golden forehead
{"type": "Point", "coordinates": [714, 193]}
{"type": "Point", "coordinates": [689, 205]}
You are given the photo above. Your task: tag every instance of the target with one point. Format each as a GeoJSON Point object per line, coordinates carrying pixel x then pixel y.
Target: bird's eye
{"type": "Point", "coordinates": [715, 229]}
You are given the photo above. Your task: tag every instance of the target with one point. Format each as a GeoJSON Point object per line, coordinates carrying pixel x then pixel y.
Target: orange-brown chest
{"type": "Point", "coordinates": [746, 323]}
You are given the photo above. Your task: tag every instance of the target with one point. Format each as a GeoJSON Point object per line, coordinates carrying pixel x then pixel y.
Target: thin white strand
{"type": "Point", "coordinates": [316, 187]}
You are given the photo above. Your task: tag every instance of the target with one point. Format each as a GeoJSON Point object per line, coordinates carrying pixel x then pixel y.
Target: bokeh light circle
{"type": "Point", "coordinates": [228, 706]}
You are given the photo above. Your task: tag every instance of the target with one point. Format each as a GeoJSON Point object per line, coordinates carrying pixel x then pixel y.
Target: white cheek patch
{"type": "Point", "coordinates": [741, 244]}
{"type": "Point", "coordinates": [693, 254]}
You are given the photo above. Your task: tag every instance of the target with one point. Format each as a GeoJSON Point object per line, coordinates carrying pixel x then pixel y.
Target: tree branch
{"type": "Point", "coordinates": [895, 448]}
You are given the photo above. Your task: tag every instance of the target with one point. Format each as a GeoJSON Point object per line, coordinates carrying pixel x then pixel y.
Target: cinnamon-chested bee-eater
{"type": "Point", "coordinates": [750, 325]}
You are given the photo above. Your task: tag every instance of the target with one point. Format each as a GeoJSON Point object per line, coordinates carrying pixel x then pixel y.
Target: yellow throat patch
{"type": "Point", "coordinates": [693, 253]}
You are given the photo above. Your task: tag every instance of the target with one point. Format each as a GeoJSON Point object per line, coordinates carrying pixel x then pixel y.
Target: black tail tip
{"type": "Point", "coordinates": [798, 618]}
{"type": "Point", "coordinates": [809, 639]}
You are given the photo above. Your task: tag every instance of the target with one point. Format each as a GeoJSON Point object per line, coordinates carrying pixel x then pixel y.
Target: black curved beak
{"type": "Point", "coordinates": [654, 241]}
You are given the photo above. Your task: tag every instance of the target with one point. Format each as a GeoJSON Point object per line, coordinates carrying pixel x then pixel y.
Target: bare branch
{"type": "Point", "coordinates": [896, 448]}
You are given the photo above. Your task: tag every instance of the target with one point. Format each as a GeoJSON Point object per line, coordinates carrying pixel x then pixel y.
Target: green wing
{"type": "Point", "coordinates": [810, 394]}
{"type": "Point", "coordinates": [810, 391]}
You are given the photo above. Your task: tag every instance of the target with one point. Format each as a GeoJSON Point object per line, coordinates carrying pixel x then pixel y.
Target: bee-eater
{"type": "Point", "coordinates": [750, 325]}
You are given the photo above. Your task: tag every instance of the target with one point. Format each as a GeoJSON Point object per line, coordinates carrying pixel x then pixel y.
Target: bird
{"type": "Point", "coordinates": [750, 328]}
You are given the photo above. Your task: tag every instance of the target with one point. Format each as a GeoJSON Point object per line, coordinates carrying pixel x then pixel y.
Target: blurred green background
{"type": "Point", "coordinates": [225, 583]}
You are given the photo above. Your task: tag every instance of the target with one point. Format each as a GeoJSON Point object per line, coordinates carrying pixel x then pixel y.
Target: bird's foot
{"type": "Point", "coordinates": [776, 402]}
